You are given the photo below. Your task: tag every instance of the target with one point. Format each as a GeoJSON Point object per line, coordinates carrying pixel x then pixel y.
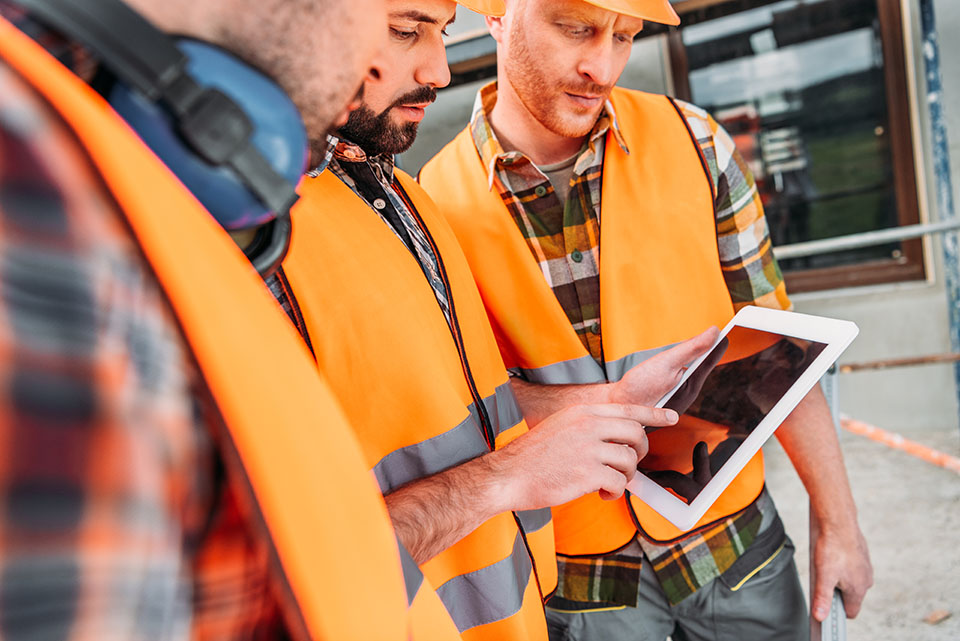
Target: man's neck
{"type": "Point", "coordinates": [518, 130]}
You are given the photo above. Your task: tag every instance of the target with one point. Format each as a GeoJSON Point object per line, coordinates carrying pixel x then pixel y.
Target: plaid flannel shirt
{"type": "Point", "coordinates": [117, 522]}
{"type": "Point", "coordinates": [565, 240]}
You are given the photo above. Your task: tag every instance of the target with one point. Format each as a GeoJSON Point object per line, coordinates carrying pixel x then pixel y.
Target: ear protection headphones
{"type": "Point", "coordinates": [227, 131]}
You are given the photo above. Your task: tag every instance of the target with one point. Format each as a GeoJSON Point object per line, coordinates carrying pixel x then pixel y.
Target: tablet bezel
{"type": "Point", "coordinates": [834, 333]}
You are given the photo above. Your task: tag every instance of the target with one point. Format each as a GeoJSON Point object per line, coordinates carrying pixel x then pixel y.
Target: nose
{"type": "Point", "coordinates": [433, 70]}
{"type": "Point", "coordinates": [377, 65]}
{"type": "Point", "coordinates": [597, 64]}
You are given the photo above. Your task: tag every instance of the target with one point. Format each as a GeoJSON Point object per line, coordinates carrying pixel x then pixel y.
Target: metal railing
{"type": "Point", "coordinates": [834, 627]}
{"type": "Point", "coordinates": [864, 239]}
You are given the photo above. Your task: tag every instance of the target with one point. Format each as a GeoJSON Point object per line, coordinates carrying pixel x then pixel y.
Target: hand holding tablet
{"type": "Point", "coordinates": [730, 401]}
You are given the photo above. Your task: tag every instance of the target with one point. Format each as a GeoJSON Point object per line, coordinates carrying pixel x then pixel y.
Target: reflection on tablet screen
{"type": "Point", "coordinates": [721, 403]}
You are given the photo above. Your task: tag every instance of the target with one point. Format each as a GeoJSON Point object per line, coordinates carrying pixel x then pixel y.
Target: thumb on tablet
{"type": "Point", "coordinates": [647, 382]}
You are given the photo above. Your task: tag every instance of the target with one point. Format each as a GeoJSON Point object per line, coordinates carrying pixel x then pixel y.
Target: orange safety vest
{"type": "Point", "coordinates": [421, 397]}
{"type": "Point", "coordinates": [288, 440]}
{"type": "Point", "coordinates": [660, 283]}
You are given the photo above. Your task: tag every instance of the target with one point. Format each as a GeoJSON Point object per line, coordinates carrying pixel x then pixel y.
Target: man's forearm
{"type": "Point", "coordinates": [810, 440]}
{"type": "Point", "coordinates": [578, 450]}
{"type": "Point", "coordinates": [840, 557]}
{"type": "Point", "coordinates": [433, 513]}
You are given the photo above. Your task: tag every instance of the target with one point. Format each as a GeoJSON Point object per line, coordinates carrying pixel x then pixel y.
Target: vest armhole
{"type": "Point", "coordinates": [696, 146]}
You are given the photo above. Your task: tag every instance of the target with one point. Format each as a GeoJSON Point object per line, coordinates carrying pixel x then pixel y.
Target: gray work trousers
{"type": "Point", "coordinates": [769, 606]}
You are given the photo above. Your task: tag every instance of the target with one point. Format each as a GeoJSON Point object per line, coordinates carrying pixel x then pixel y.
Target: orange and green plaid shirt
{"type": "Point", "coordinates": [564, 237]}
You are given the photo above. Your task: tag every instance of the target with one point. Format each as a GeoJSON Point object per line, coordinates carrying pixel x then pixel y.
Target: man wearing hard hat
{"type": "Point", "coordinates": [378, 288]}
{"type": "Point", "coordinates": [685, 244]}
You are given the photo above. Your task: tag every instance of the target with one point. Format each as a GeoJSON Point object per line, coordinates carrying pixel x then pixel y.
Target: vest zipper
{"type": "Point", "coordinates": [485, 423]}
{"type": "Point", "coordinates": [295, 316]}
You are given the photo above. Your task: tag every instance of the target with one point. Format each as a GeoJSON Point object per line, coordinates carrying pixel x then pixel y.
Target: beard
{"type": "Point", "coordinates": [376, 134]}
{"type": "Point", "coordinates": [541, 96]}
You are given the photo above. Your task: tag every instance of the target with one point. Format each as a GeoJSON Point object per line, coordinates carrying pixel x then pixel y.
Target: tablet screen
{"type": "Point", "coordinates": [721, 403]}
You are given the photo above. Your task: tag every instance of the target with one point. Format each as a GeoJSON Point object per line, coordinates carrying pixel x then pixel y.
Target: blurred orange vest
{"type": "Point", "coordinates": [421, 397]}
{"type": "Point", "coordinates": [660, 283]}
{"type": "Point", "coordinates": [288, 439]}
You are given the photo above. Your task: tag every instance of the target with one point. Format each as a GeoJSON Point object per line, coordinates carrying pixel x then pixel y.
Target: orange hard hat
{"type": "Point", "coordinates": [652, 10]}
{"type": "Point", "coordinates": [494, 8]}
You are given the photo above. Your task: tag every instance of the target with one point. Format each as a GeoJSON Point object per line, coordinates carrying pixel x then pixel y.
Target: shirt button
{"type": "Point", "coordinates": [540, 191]}
{"type": "Point", "coordinates": [576, 256]}
{"type": "Point", "coordinates": [595, 329]}
{"type": "Point", "coordinates": [379, 203]}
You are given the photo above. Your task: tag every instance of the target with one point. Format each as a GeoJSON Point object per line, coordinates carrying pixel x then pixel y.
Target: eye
{"type": "Point", "coordinates": [400, 34]}
{"type": "Point", "coordinates": [622, 38]}
{"type": "Point", "coordinates": [575, 31]}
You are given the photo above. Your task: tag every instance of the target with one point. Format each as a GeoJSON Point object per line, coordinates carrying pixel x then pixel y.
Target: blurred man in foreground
{"type": "Point", "coordinates": [172, 465]}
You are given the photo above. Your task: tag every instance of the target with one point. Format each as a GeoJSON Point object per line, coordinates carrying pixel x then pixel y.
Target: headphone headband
{"type": "Point", "coordinates": [136, 51]}
{"type": "Point", "coordinates": [211, 123]}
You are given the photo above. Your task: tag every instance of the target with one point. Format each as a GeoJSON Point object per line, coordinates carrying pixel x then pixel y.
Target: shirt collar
{"type": "Point", "coordinates": [345, 151]}
{"type": "Point", "coordinates": [492, 152]}
{"type": "Point", "coordinates": [327, 157]}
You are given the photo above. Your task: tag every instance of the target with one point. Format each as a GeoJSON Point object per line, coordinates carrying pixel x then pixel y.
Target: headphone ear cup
{"type": "Point", "coordinates": [278, 134]}
{"type": "Point", "coordinates": [270, 245]}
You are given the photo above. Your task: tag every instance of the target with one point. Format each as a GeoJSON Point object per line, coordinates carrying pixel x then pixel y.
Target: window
{"type": "Point", "coordinates": [814, 94]}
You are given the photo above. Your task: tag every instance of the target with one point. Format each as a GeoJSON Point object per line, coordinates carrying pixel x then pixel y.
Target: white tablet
{"type": "Point", "coordinates": [730, 401]}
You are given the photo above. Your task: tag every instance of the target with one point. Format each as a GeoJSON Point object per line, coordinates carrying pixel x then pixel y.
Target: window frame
{"type": "Point", "coordinates": [910, 266]}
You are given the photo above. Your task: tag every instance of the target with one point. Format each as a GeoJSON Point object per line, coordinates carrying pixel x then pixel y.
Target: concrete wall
{"type": "Point", "coordinates": [895, 321]}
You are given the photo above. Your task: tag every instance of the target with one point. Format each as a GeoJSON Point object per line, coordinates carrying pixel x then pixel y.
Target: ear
{"type": "Point", "coordinates": [496, 27]}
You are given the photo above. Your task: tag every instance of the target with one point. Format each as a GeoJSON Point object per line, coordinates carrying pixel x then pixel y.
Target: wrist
{"type": "Point", "coordinates": [499, 483]}
{"type": "Point", "coordinates": [610, 393]}
{"type": "Point", "coordinates": [841, 522]}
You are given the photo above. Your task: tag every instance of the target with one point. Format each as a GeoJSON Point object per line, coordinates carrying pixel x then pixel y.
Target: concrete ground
{"type": "Point", "coordinates": [910, 514]}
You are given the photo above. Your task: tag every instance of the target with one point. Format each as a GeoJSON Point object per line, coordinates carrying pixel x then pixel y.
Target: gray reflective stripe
{"type": "Point", "coordinates": [462, 443]}
{"type": "Point", "coordinates": [578, 370]}
{"type": "Point", "coordinates": [585, 369]}
{"type": "Point", "coordinates": [503, 408]}
{"type": "Point", "coordinates": [456, 446]}
{"type": "Point", "coordinates": [616, 369]}
{"type": "Point", "coordinates": [412, 576]}
{"type": "Point", "coordinates": [489, 594]}
{"type": "Point", "coordinates": [533, 520]}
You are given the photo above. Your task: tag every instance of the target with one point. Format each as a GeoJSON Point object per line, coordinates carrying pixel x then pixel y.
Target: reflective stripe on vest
{"type": "Point", "coordinates": [450, 448]}
{"type": "Point", "coordinates": [584, 369]}
{"type": "Point", "coordinates": [429, 619]}
{"type": "Point", "coordinates": [332, 545]}
{"type": "Point", "coordinates": [373, 319]}
{"type": "Point", "coordinates": [656, 221]}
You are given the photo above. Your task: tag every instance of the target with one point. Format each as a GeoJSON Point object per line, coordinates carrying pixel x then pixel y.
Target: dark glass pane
{"type": "Point", "coordinates": [800, 86]}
